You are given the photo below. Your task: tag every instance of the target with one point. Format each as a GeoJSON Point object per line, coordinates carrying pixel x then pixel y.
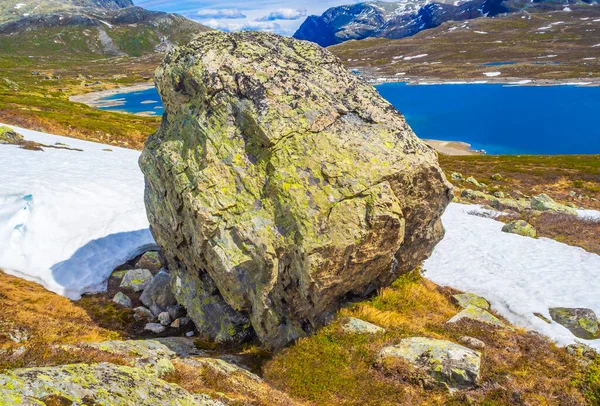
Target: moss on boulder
{"type": "Point", "coordinates": [9, 136]}
{"type": "Point", "coordinates": [285, 180]}
{"type": "Point", "coordinates": [582, 322]}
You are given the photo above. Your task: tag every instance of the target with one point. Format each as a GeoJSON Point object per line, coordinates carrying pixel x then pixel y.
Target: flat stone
{"type": "Point", "coordinates": [149, 355]}
{"type": "Point", "coordinates": [543, 202]}
{"type": "Point", "coordinates": [473, 342]}
{"type": "Point", "coordinates": [446, 362]}
{"type": "Point", "coordinates": [122, 299]}
{"type": "Point", "coordinates": [477, 314]}
{"type": "Point", "coordinates": [136, 279]}
{"type": "Point", "coordinates": [155, 328]}
{"type": "Point", "coordinates": [582, 322]}
{"type": "Point", "coordinates": [354, 325]}
{"type": "Point", "coordinates": [470, 299]}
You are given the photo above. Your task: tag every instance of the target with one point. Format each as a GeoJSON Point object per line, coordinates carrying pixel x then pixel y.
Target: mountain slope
{"type": "Point", "coordinates": [104, 27]}
{"type": "Point", "coordinates": [555, 45]}
{"type": "Point", "coordinates": [402, 19]}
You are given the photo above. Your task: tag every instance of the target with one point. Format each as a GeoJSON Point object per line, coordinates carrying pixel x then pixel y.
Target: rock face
{"type": "Point", "coordinates": [444, 361]}
{"type": "Point", "coordinates": [279, 183]}
{"type": "Point", "coordinates": [582, 322]}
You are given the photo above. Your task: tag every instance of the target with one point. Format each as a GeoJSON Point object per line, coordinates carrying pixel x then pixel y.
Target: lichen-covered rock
{"type": "Point", "coordinates": [99, 384]}
{"type": "Point", "coordinates": [141, 313]}
{"type": "Point", "coordinates": [151, 356]}
{"type": "Point", "coordinates": [473, 181]}
{"type": "Point", "coordinates": [446, 362]}
{"type": "Point", "coordinates": [354, 325]}
{"type": "Point", "coordinates": [510, 204]}
{"type": "Point", "coordinates": [155, 328]}
{"type": "Point", "coordinates": [497, 177]}
{"type": "Point", "coordinates": [9, 136]}
{"type": "Point", "coordinates": [478, 314]}
{"type": "Point", "coordinates": [470, 299]}
{"type": "Point", "coordinates": [582, 322]}
{"type": "Point", "coordinates": [543, 202]}
{"type": "Point", "coordinates": [520, 227]}
{"type": "Point", "coordinates": [159, 293]}
{"type": "Point", "coordinates": [164, 318]}
{"type": "Point", "coordinates": [122, 299]}
{"type": "Point", "coordinates": [285, 180]}
{"type": "Point", "coordinates": [136, 279]}
{"type": "Point", "coordinates": [150, 260]}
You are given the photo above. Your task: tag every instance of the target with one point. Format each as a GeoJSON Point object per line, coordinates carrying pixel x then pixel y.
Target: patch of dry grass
{"type": "Point", "coordinates": [335, 368]}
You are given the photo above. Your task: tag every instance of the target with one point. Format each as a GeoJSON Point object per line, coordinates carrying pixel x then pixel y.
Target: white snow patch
{"type": "Point", "coordinates": [400, 73]}
{"type": "Point", "coordinates": [492, 74]}
{"type": "Point", "coordinates": [107, 24]}
{"type": "Point", "coordinates": [589, 214]}
{"type": "Point", "coordinates": [566, 9]}
{"type": "Point", "coordinates": [480, 32]}
{"type": "Point", "coordinates": [68, 218]}
{"type": "Point", "coordinates": [408, 58]}
{"type": "Point", "coordinates": [19, 5]}
{"type": "Point", "coordinates": [597, 45]}
{"type": "Point", "coordinates": [518, 275]}
{"type": "Point", "coordinates": [521, 82]}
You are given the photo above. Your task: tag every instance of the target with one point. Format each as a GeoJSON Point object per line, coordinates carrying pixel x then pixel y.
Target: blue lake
{"type": "Point", "coordinates": [500, 119]}
{"type": "Point", "coordinates": [144, 101]}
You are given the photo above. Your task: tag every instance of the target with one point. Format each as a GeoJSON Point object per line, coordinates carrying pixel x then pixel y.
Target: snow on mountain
{"type": "Point", "coordinates": [68, 218]}
{"type": "Point", "coordinates": [517, 275]}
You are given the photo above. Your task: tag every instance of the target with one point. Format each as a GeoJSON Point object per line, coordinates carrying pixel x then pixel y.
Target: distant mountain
{"type": "Point", "coordinates": [103, 27]}
{"type": "Point", "coordinates": [395, 20]}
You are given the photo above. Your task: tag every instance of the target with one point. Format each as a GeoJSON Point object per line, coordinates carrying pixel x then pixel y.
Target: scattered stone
{"type": "Point", "coordinates": [477, 314]}
{"type": "Point", "coordinates": [122, 299]}
{"type": "Point", "coordinates": [474, 194]}
{"type": "Point", "coordinates": [473, 342]}
{"type": "Point", "coordinates": [572, 193]}
{"type": "Point", "coordinates": [189, 334]}
{"type": "Point", "coordinates": [510, 204]}
{"type": "Point", "coordinates": [10, 136]}
{"type": "Point", "coordinates": [96, 384]}
{"type": "Point", "coordinates": [143, 314]}
{"type": "Point", "coordinates": [176, 324]}
{"type": "Point", "coordinates": [136, 279]}
{"type": "Point", "coordinates": [457, 176]}
{"type": "Point", "coordinates": [497, 176]}
{"type": "Point", "coordinates": [107, 150]}
{"type": "Point", "coordinates": [176, 311]}
{"type": "Point", "coordinates": [582, 322]}
{"type": "Point", "coordinates": [446, 362]}
{"type": "Point", "coordinates": [298, 130]}
{"type": "Point", "coordinates": [542, 317]}
{"type": "Point", "coordinates": [155, 328]}
{"type": "Point", "coordinates": [159, 292]}
{"type": "Point", "coordinates": [543, 202]}
{"type": "Point", "coordinates": [469, 299]}
{"type": "Point", "coordinates": [354, 325]}
{"type": "Point", "coordinates": [164, 318]}
{"type": "Point", "coordinates": [520, 227]}
{"type": "Point", "coordinates": [498, 194]}
{"type": "Point", "coordinates": [473, 181]}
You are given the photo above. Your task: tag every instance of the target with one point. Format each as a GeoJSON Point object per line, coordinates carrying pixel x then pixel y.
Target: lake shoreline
{"type": "Point", "coordinates": [492, 80]}
{"type": "Point", "coordinates": [93, 99]}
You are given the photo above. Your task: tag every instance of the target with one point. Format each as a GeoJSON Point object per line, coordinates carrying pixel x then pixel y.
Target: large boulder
{"type": "Point", "coordinates": [582, 322]}
{"type": "Point", "coordinates": [543, 202]}
{"type": "Point", "coordinates": [285, 182]}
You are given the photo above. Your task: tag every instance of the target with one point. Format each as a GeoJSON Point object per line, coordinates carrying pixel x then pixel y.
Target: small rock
{"type": "Point", "coordinates": [457, 176]}
{"type": "Point", "coordinates": [155, 328]}
{"type": "Point", "coordinates": [176, 324]}
{"type": "Point", "coordinates": [189, 334]}
{"type": "Point", "coordinates": [156, 309]}
{"type": "Point", "coordinates": [473, 181]}
{"type": "Point", "coordinates": [572, 193]}
{"type": "Point", "coordinates": [509, 204]}
{"type": "Point", "coordinates": [143, 314]}
{"type": "Point", "coordinates": [354, 325]}
{"type": "Point", "coordinates": [164, 318]}
{"type": "Point", "coordinates": [496, 176]}
{"type": "Point", "coordinates": [136, 279]}
{"type": "Point", "coordinates": [520, 227]}
{"type": "Point", "coordinates": [477, 314]}
{"type": "Point", "coordinates": [473, 342]}
{"type": "Point", "coordinates": [469, 299]}
{"type": "Point", "coordinates": [176, 311]}
{"type": "Point", "coordinates": [159, 291]}
{"type": "Point", "coordinates": [9, 136]}
{"type": "Point", "coordinates": [446, 362]}
{"type": "Point", "coordinates": [122, 299]}
{"type": "Point", "coordinates": [498, 194]}
{"type": "Point", "coordinates": [150, 260]}
{"type": "Point", "coordinates": [543, 202]}
{"type": "Point", "coordinates": [582, 322]}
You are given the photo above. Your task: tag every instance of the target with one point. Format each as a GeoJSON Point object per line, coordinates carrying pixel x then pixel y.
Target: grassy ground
{"type": "Point", "coordinates": [335, 368]}
{"type": "Point", "coordinates": [41, 102]}
{"type": "Point", "coordinates": [458, 50]}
